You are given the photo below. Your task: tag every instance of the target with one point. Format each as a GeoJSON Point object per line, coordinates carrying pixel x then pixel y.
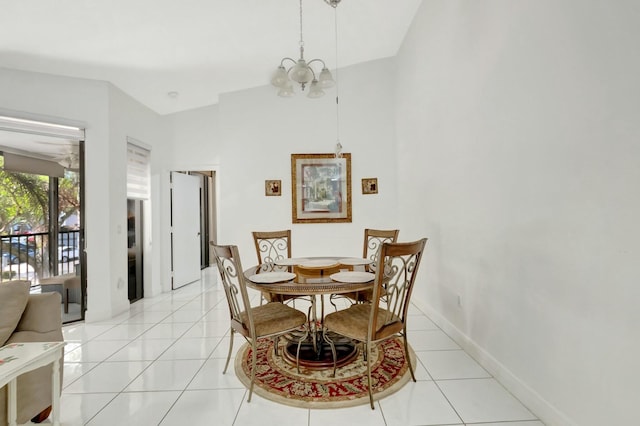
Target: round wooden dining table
{"type": "Point", "coordinates": [312, 277]}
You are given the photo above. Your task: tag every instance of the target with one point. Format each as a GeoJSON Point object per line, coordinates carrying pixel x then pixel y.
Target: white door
{"type": "Point", "coordinates": [185, 229]}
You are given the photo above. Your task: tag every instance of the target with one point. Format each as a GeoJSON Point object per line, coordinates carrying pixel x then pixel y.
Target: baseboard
{"type": "Point", "coordinates": [546, 412]}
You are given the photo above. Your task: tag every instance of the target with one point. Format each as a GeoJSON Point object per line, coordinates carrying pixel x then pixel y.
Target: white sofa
{"type": "Point", "coordinates": [29, 317]}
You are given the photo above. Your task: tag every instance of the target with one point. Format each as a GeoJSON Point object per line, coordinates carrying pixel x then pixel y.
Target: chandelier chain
{"type": "Point", "coordinates": [301, 40]}
{"type": "Point", "coordinates": [335, 16]}
{"type": "Point", "coordinates": [338, 149]}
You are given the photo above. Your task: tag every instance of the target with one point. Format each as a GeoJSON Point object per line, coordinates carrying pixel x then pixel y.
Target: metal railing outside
{"type": "Point", "coordinates": [26, 256]}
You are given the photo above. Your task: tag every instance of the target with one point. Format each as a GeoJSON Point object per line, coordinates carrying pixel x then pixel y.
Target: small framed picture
{"type": "Point", "coordinates": [272, 188]}
{"type": "Point", "coordinates": [370, 185]}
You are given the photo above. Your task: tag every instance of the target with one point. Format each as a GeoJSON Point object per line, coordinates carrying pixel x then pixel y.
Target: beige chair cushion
{"type": "Point", "coordinates": [274, 317]}
{"type": "Point", "coordinates": [354, 321]}
{"type": "Point", "coordinates": [13, 300]}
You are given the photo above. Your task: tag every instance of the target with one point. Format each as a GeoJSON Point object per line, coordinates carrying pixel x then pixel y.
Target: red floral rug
{"type": "Point", "coordinates": [279, 381]}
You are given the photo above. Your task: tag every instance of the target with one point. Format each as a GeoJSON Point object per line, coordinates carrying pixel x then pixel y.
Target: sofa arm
{"type": "Point", "coordinates": [41, 320]}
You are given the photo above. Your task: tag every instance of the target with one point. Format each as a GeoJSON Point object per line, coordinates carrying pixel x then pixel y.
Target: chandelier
{"type": "Point", "coordinates": [302, 72]}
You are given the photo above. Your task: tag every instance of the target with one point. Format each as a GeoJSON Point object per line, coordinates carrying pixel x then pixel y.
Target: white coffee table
{"type": "Point", "coordinates": [20, 358]}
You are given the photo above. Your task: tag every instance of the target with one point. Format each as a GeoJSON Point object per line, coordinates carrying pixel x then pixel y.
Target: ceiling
{"type": "Point", "coordinates": [60, 150]}
{"type": "Point", "coordinates": [197, 48]}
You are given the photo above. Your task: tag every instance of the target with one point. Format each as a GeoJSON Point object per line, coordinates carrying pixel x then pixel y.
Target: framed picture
{"type": "Point", "coordinates": [370, 185]}
{"type": "Point", "coordinates": [320, 188]}
{"type": "Point", "coordinates": [272, 188]}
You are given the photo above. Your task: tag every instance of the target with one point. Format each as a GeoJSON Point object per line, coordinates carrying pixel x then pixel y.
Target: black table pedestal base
{"type": "Point", "coordinates": [320, 357]}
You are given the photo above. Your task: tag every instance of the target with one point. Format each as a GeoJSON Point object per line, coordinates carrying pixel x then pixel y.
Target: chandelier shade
{"type": "Point", "coordinates": [286, 91]}
{"type": "Point", "coordinates": [326, 80]}
{"type": "Point", "coordinates": [280, 77]}
{"type": "Point", "coordinates": [315, 91]}
{"type": "Point", "coordinates": [301, 72]}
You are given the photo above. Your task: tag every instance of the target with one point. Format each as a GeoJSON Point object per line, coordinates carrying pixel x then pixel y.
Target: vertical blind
{"type": "Point", "coordinates": [138, 172]}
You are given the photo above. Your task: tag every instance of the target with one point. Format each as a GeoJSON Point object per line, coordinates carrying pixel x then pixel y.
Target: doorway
{"type": "Point", "coordinates": [134, 249]}
{"type": "Point", "coordinates": [138, 194]}
{"type": "Point", "coordinates": [207, 216]}
{"type": "Point", "coordinates": [193, 224]}
{"type": "Point", "coordinates": [48, 240]}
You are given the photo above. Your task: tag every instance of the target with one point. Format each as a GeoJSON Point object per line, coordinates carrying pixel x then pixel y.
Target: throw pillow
{"type": "Point", "coordinates": [13, 299]}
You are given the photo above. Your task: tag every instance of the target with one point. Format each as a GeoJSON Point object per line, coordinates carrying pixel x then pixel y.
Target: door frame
{"type": "Point", "coordinates": [35, 125]}
{"type": "Point", "coordinates": [214, 214]}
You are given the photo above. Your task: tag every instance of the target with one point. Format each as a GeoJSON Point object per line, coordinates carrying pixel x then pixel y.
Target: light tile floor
{"type": "Point", "coordinates": [161, 364]}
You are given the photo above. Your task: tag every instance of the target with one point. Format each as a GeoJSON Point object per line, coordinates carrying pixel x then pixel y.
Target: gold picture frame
{"type": "Point", "coordinates": [272, 188]}
{"type": "Point", "coordinates": [320, 188]}
{"type": "Point", "coordinates": [369, 186]}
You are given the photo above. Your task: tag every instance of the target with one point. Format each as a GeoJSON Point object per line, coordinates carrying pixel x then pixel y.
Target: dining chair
{"type": "Point", "coordinates": [386, 316]}
{"type": "Point", "coordinates": [272, 319]}
{"type": "Point", "coordinates": [373, 240]}
{"type": "Point", "coordinates": [272, 246]}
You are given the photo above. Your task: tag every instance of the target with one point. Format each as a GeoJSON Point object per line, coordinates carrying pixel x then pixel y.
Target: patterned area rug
{"type": "Point", "coordinates": [278, 380]}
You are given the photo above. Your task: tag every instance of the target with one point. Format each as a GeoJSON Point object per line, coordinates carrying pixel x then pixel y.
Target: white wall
{"type": "Point", "coordinates": [251, 135]}
{"type": "Point", "coordinates": [109, 116]}
{"type": "Point", "coordinates": [195, 136]}
{"type": "Point", "coordinates": [83, 103]}
{"type": "Point", "coordinates": [519, 121]}
{"type": "Point", "coordinates": [247, 139]}
{"type": "Point", "coordinates": [129, 119]}
{"type": "Point", "coordinates": [194, 146]}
